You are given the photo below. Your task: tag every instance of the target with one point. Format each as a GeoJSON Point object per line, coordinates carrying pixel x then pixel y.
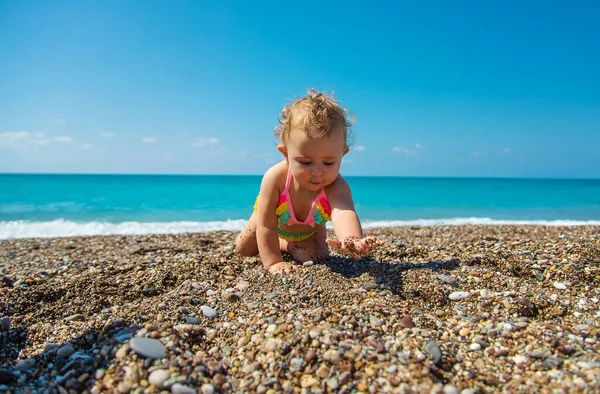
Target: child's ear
{"type": "Point", "coordinates": [283, 150]}
{"type": "Point", "coordinates": [346, 150]}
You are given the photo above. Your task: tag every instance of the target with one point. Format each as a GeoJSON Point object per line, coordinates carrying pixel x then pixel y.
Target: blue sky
{"type": "Point", "coordinates": [510, 89]}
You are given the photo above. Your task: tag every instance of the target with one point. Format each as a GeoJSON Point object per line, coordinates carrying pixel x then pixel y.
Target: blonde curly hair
{"type": "Point", "coordinates": [318, 114]}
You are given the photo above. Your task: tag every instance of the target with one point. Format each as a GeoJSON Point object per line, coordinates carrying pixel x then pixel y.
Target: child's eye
{"type": "Point", "coordinates": [305, 163]}
{"type": "Point", "coordinates": [329, 164]}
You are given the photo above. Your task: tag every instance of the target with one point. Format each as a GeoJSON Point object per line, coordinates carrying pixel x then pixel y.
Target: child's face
{"type": "Point", "coordinates": [314, 162]}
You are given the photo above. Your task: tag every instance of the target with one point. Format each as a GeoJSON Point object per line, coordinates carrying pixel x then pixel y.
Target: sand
{"type": "Point", "coordinates": [465, 309]}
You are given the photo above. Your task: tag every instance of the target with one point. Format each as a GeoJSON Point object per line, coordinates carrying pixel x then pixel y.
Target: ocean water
{"type": "Point", "coordinates": [67, 205]}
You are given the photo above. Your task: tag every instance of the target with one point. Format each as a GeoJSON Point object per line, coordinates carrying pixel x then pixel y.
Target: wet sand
{"type": "Point", "coordinates": [466, 309]}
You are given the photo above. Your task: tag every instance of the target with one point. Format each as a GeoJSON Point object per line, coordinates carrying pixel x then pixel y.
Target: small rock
{"type": "Point", "coordinates": [375, 321]}
{"type": "Point", "coordinates": [433, 349]}
{"type": "Point", "coordinates": [25, 364]}
{"type": "Point", "coordinates": [192, 320]}
{"type": "Point", "coordinates": [560, 285]}
{"type": "Point", "coordinates": [65, 351]}
{"type": "Point", "coordinates": [407, 322]}
{"type": "Point", "coordinates": [447, 279]}
{"type": "Point", "coordinates": [158, 377]}
{"type": "Point", "coordinates": [332, 383]}
{"type": "Point", "coordinates": [458, 295]}
{"type": "Point", "coordinates": [75, 317]}
{"type": "Point", "coordinates": [310, 355]}
{"type": "Point", "coordinates": [149, 291]}
{"type": "Point", "coordinates": [148, 347]}
{"type": "Point", "coordinates": [5, 324]}
{"type": "Point", "coordinates": [332, 356]}
{"type": "Point", "coordinates": [242, 285]}
{"type": "Point", "coordinates": [450, 389]}
{"type": "Point", "coordinates": [179, 388]}
{"type": "Point", "coordinates": [208, 311]}
{"type": "Point", "coordinates": [308, 263]}
{"type": "Point", "coordinates": [207, 388]}
{"type": "Point", "coordinates": [233, 297]}
{"type": "Point", "coordinates": [50, 347]}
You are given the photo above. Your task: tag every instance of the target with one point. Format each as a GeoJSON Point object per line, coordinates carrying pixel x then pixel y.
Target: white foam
{"type": "Point", "coordinates": [475, 220]}
{"type": "Point", "coordinates": [67, 228]}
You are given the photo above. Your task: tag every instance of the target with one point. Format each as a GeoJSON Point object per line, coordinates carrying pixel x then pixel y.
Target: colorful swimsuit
{"type": "Point", "coordinates": [319, 214]}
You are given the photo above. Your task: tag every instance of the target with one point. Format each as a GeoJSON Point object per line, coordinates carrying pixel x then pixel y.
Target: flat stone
{"type": "Point", "coordinates": [149, 291]}
{"type": "Point", "coordinates": [560, 285]}
{"type": "Point", "coordinates": [233, 297]}
{"type": "Point", "coordinates": [407, 322]}
{"type": "Point", "coordinates": [242, 285]}
{"type": "Point", "coordinates": [148, 347]}
{"type": "Point", "coordinates": [209, 312]}
{"type": "Point", "coordinates": [5, 324]}
{"type": "Point", "coordinates": [25, 364]}
{"type": "Point", "coordinates": [447, 279]}
{"type": "Point", "coordinates": [65, 351]}
{"type": "Point", "coordinates": [179, 388]}
{"type": "Point", "coordinates": [75, 317]}
{"type": "Point", "coordinates": [433, 349]}
{"type": "Point", "coordinates": [375, 321]}
{"type": "Point", "coordinates": [192, 320]}
{"type": "Point", "coordinates": [458, 295]}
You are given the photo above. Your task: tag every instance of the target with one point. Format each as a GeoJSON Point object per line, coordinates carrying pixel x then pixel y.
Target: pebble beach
{"type": "Point", "coordinates": [441, 309]}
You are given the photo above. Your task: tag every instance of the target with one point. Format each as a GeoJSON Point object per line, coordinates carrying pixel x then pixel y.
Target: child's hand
{"type": "Point", "coordinates": [355, 247]}
{"type": "Point", "coordinates": [281, 268]}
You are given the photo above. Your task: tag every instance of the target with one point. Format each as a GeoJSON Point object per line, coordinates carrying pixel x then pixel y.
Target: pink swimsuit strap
{"type": "Point", "coordinates": [285, 196]}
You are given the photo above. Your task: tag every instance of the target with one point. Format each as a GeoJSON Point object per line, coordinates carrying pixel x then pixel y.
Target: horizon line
{"type": "Point", "coordinates": [346, 176]}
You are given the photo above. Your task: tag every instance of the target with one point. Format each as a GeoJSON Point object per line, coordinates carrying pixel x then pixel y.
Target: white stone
{"type": "Point", "coordinates": [458, 295]}
{"type": "Point", "coordinates": [560, 285]}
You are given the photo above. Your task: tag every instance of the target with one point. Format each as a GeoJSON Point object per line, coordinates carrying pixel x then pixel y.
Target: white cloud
{"type": "Point", "coordinates": [359, 148]}
{"type": "Point", "coordinates": [476, 153]}
{"type": "Point", "coordinates": [23, 140]}
{"type": "Point", "coordinates": [205, 141]}
{"type": "Point", "coordinates": [107, 134]}
{"type": "Point", "coordinates": [86, 146]}
{"type": "Point", "coordinates": [404, 151]}
{"type": "Point", "coordinates": [63, 139]}
{"type": "Point", "coordinates": [419, 146]}
{"type": "Point", "coordinates": [149, 140]}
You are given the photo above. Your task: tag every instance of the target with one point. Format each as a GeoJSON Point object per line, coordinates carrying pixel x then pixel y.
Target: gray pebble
{"type": "Point", "coordinates": [178, 388]}
{"type": "Point", "coordinates": [5, 324]}
{"type": "Point", "coordinates": [208, 311]}
{"type": "Point", "coordinates": [447, 279]}
{"type": "Point", "coordinates": [148, 347]}
{"type": "Point", "coordinates": [192, 320]}
{"type": "Point", "coordinates": [75, 317]}
{"type": "Point", "coordinates": [65, 351]}
{"type": "Point", "coordinates": [433, 349]}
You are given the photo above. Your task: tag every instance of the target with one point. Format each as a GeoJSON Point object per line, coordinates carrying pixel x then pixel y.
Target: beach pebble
{"type": "Point", "coordinates": [242, 285]}
{"type": "Point", "coordinates": [447, 279]}
{"type": "Point", "coordinates": [208, 311]}
{"type": "Point", "coordinates": [332, 356]}
{"type": "Point", "coordinates": [207, 388]}
{"type": "Point", "coordinates": [149, 291]}
{"type": "Point", "coordinates": [51, 346]}
{"type": "Point", "coordinates": [233, 297]}
{"type": "Point", "coordinates": [407, 322]}
{"type": "Point", "coordinates": [179, 388]}
{"type": "Point", "coordinates": [560, 285]}
{"type": "Point", "coordinates": [75, 317]}
{"type": "Point", "coordinates": [458, 295]}
{"type": "Point", "coordinates": [450, 389]}
{"type": "Point", "coordinates": [192, 320]}
{"type": "Point", "coordinates": [65, 351]}
{"type": "Point", "coordinates": [148, 347]}
{"type": "Point", "coordinates": [25, 364]}
{"type": "Point", "coordinates": [433, 349]}
{"type": "Point", "coordinates": [5, 324]}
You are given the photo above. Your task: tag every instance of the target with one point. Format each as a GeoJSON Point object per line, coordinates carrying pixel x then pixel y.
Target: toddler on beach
{"type": "Point", "coordinates": [313, 134]}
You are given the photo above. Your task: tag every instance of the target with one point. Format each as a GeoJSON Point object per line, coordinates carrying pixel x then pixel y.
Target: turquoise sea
{"type": "Point", "coordinates": [66, 205]}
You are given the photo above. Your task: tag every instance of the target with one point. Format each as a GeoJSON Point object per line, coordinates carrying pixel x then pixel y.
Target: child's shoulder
{"type": "Point", "coordinates": [276, 174]}
{"type": "Point", "coordinates": [338, 186]}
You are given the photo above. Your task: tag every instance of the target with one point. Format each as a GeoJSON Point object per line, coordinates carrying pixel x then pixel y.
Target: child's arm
{"type": "Point", "coordinates": [266, 224]}
{"type": "Point", "coordinates": [346, 223]}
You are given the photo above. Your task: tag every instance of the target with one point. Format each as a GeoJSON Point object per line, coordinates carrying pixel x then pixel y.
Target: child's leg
{"type": "Point", "coordinates": [245, 243]}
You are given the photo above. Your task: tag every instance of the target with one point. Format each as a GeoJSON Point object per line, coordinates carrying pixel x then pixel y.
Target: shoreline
{"type": "Point", "coordinates": [397, 321]}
